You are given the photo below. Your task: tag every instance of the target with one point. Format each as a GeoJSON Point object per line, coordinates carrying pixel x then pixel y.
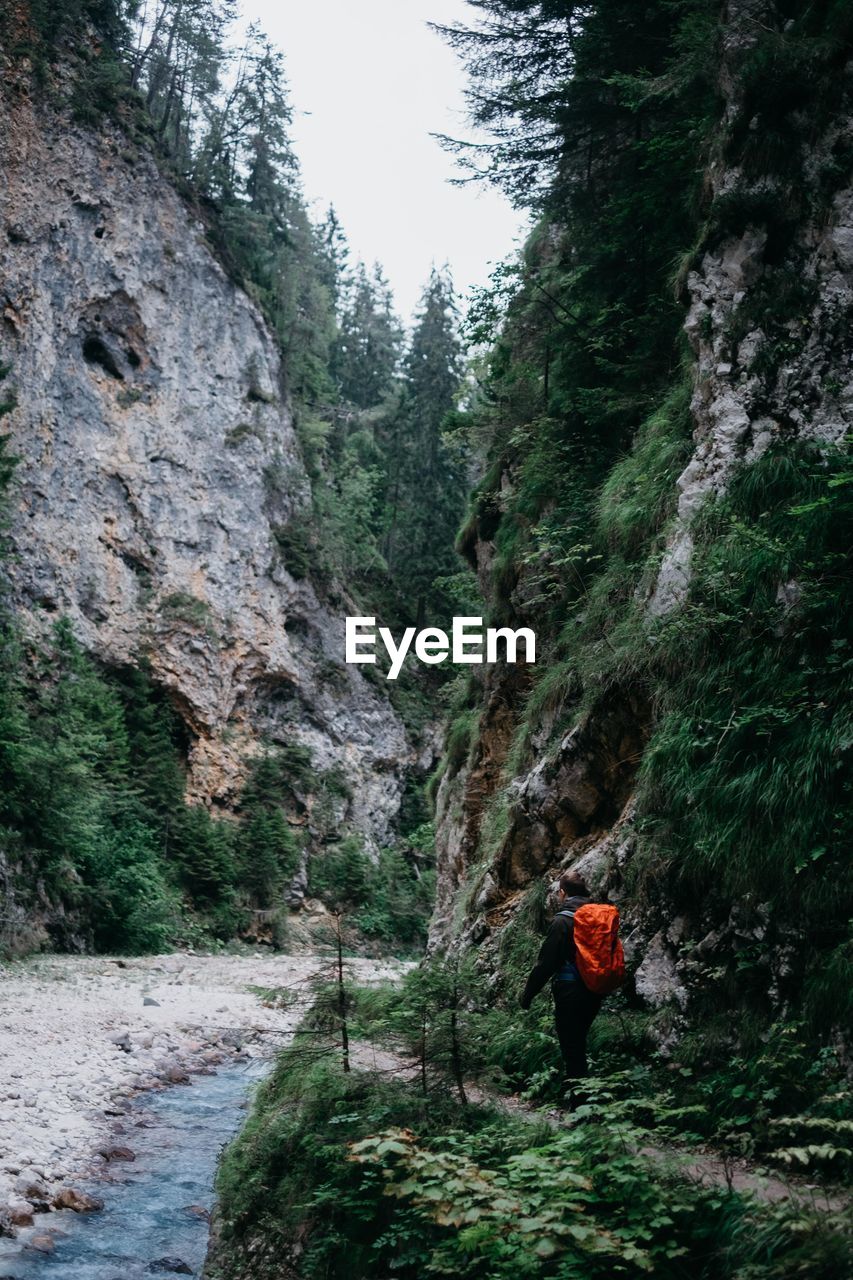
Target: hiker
{"type": "Point", "coordinates": [580, 975]}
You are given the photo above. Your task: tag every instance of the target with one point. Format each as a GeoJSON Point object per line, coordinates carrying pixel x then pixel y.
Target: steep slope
{"type": "Point", "coordinates": [159, 467]}
{"type": "Point", "coordinates": [683, 739]}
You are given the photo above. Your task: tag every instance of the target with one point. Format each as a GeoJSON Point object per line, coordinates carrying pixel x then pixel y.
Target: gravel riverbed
{"type": "Point", "coordinates": [80, 1036]}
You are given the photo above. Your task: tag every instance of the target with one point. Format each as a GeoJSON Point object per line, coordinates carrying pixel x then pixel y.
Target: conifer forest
{"type": "Point", "coordinates": [226, 848]}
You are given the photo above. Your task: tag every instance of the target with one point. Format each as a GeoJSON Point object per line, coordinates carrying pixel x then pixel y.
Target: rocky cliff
{"type": "Point", "coordinates": [159, 467]}
{"type": "Point", "coordinates": [557, 781]}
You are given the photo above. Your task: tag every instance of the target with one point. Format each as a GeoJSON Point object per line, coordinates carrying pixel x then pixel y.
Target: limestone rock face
{"type": "Point", "coordinates": [577, 790]}
{"type": "Point", "coordinates": [159, 467]}
{"type": "Point", "coordinates": [656, 979]}
{"type": "Point", "coordinates": [739, 410]}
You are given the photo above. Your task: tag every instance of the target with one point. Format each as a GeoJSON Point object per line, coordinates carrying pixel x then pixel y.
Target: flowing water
{"type": "Point", "coordinates": [151, 1211]}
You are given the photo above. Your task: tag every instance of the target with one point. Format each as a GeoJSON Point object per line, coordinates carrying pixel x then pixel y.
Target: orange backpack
{"type": "Point", "coordinates": [599, 956]}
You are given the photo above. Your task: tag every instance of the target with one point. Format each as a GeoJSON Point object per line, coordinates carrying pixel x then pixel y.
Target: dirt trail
{"type": "Point", "coordinates": [706, 1168]}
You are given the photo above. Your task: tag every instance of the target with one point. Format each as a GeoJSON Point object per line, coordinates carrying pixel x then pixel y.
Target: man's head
{"type": "Point", "coordinates": [573, 886]}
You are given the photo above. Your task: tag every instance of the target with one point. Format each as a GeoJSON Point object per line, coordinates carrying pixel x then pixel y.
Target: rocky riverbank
{"type": "Point", "coordinates": [81, 1036]}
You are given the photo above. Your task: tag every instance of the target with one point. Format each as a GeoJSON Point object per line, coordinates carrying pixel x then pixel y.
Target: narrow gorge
{"type": "Point", "coordinates": [218, 441]}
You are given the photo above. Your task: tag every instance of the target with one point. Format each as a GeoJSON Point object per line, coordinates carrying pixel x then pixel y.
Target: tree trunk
{"type": "Point", "coordinates": [423, 1050]}
{"type": "Point", "coordinates": [342, 997]}
{"type": "Point", "coordinates": [455, 1048]}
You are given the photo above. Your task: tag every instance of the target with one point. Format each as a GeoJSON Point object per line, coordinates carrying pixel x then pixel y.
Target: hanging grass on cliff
{"type": "Point", "coordinates": [608, 120]}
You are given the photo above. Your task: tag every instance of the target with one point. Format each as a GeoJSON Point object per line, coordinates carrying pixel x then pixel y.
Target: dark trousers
{"type": "Point", "coordinates": [575, 1008]}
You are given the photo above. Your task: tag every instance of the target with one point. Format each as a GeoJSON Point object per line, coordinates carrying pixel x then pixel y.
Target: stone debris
{"type": "Point", "coordinates": [657, 979]}
{"type": "Point", "coordinates": [198, 1211]}
{"type": "Point", "coordinates": [78, 1201]}
{"type": "Point", "coordinates": [116, 1153]}
{"type": "Point", "coordinates": [73, 1059]}
{"type": "Point", "coordinates": [19, 1212]}
{"type": "Point", "coordinates": [43, 1243]}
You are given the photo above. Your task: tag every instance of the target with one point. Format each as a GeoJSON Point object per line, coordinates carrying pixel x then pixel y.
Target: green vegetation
{"type": "Point", "coordinates": [585, 344]}
{"type": "Point", "coordinates": [181, 607]}
{"type": "Point", "coordinates": [756, 684]}
{"type": "Point", "coordinates": [268, 852]}
{"type": "Point", "coordinates": [93, 809]}
{"type": "Point", "coordinates": [389, 899]}
{"type": "Point", "coordinates": [446, 1015]}
{"type": "Point", "coordinates": [604, 120]}
{"type": "Point", "coordinates": [70, 815]}
{"type": "Point", "coordinates": [357, 1174]}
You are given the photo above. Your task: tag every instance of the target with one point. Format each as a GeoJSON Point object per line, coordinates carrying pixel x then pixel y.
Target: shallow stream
{"type": "Point", "coordinates": [151, 1213]}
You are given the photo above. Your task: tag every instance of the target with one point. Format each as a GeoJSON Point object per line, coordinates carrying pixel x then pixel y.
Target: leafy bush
{"type": "Point", "coordinates": [399, 901]}
{"type": "Point", "coordinates": [639, 493]}
{"type": "Point", "coordinates": [753, 698]}
{"type": "Point", "coordinates": [134, 909]}
{"type": "Point", "coordinates": [358, 1176]}
{"type": "Point", "coordinates": [181, 606]}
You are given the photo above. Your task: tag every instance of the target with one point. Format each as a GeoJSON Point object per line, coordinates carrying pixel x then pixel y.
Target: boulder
{"type": "Point", "coordinates": [30, 1185]}
{"type": "Point", "coordinates": [111, 1153]}
{"type": "Point", "coordinates": [78, 1201]}
{"type": "Point", "coordinates": [18, 1212]}
{"type": "Point", "coordinates": [657, 980]}
{"type": "Point", "coordinates": [43, 1243]}
{"type": "Point", "coordinates": [198, 1211]}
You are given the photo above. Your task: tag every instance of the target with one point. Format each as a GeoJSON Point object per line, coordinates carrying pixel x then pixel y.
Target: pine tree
{"type": "Point", "coordinates": [245, 152]}
{"type": "Point", "coordinates": [266, 110]}
{"type": "Point", "coordinates": [367, 351]}
{"type": "Point", "coordinates": [268, 850]}
{"type": "Point", "coordinates": [334, 249]}
{"type": "Point", "coordinates": [177, 63]}
{"type": "Point", "coordinates": [426, 486]}
{"type": "Point", "coordinates": [204, 860]}
{"type": "Point", "coordinates": [156, 745]}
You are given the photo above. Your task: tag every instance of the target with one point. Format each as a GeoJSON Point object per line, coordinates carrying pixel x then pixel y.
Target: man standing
{"type": "Point", "coordinates": [575, 1006]}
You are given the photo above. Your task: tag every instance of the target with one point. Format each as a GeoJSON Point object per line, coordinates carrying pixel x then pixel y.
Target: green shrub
{"type": "Point", "coordinates": [133, 907]}
{"type": "Point", "coordinates": [639, 493]}
{"type": "Point", "coordinates": [361, 1176]}
{"type": "Point", "coordinates": [398, 903]}
{"type": "Point", "coordinates": [181, 606]}
{"type": "Point", "coordinates": [750, 746]}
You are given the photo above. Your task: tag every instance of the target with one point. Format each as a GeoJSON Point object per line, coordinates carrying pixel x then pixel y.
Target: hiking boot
{"type": "Point", "coordinates": [575, 1096]}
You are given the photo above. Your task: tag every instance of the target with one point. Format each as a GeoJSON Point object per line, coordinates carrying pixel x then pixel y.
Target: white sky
{"type": "Point", "coordinates": [369, 83]}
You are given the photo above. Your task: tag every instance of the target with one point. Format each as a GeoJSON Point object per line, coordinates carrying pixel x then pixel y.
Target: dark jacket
{"type": "Point", "coordinates": [557, 950]}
